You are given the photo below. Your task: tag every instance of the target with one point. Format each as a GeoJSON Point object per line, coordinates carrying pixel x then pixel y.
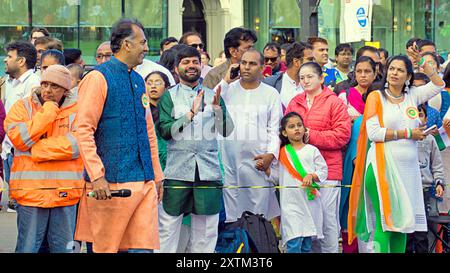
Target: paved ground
{"type": "Point", "coordinates": [8, 231]}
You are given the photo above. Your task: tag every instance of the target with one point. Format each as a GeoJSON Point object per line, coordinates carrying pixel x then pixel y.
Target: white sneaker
{"type": "Point", "coordinates": [11, 210]}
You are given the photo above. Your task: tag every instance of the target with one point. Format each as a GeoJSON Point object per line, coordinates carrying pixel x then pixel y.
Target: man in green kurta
{"type": "Point", "coordinates": [190, 117]}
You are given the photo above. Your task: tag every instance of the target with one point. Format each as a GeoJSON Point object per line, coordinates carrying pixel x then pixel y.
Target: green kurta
{"type": "Point", "coordinates": [190, 199]}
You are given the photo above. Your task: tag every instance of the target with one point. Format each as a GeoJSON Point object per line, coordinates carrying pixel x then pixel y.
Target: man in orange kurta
{"type": "Point", "coordinates": [119, 149]}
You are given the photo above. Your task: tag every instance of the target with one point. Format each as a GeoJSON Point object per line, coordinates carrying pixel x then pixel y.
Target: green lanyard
{"type": "Point", "coordinates": [310, 191]}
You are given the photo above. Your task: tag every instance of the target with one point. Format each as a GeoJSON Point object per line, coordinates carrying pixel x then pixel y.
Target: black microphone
{"type": "Point", "coordinates": [118, 193]}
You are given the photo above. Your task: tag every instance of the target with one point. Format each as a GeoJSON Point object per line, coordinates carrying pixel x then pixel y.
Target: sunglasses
{"type": "Point", "coordinates": [274, 59]}
{"type": "Point", "coordinates": [201, 46]}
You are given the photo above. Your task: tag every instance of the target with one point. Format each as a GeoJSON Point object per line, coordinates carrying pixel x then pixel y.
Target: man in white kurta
{"type": "Point", "coordinates": [256, 111]}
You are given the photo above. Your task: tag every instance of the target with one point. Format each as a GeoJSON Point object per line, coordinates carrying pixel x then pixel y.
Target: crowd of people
{"type": "Point", "coordinates": [137, 156]}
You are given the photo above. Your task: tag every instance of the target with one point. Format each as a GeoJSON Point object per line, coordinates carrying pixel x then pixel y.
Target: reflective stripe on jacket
{"type": "Point", "coordinates": [46, 154]}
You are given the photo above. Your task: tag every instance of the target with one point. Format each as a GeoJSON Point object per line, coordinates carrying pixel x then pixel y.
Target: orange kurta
{"type": "Point", "coordinates": [118, 223]}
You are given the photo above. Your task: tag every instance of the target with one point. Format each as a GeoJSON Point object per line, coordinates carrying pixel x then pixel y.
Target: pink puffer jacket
{"type": "Point", "coordinates": [329, 127]}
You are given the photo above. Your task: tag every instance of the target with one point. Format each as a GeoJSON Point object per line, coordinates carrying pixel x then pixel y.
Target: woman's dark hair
{"type": "Point", "coordinates": [365, 59]}
{"type": "Point", "coordinates": [121, 30]}
{"type": "Point", "coordinates": [373, 65]}
{"type": "Point", "coordinates": [409, 72]}
{"type": "Point", "coordinates": [446, 77]}
{"type": "Point", "coordinates": [162, 75]}
{"type": "Point", "coordinates": [58, 55]}
{"type": "Point", "coordinates": [283, 124]}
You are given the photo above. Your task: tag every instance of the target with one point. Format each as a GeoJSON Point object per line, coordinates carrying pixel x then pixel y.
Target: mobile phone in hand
{"type": "Point", "coordinates": [234, 72]}
{"type": "Point", "coordinates": [429, 130]}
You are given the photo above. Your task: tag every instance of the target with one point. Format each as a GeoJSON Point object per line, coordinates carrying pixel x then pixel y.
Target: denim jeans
{"type": "Point", "coordinates": [34, 223]}
{"type": "Point", "coordinates": [299, 245]}
{"type": "Point", "coordinates": [7, 163]}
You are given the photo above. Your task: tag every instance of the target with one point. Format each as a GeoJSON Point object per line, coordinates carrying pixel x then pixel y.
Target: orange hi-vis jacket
{"type": "Point", "coordinates": [46, 166]}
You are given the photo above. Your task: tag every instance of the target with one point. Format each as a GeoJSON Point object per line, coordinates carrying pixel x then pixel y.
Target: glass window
{"type": "Point", "coordinates": [284, 14]}
{"type": "Point", "coordinates": [328, 17]}
{"type": "Point", "coordinates": [153, 15]}
{"type": "Point", "coordinates": [285, 20]}
{"type": "Point", "coordinates": [100, 13]}
{"type": "Point", "coordinates": [256, 14]}
{"type": "Point", "coordinates": [96, 20]}
{"type": "Point", "coordinates": [442, 27]}
{"type": "Point", "coordinates": [382, 24]}
{"type": "Point", "coordinates": [62, 13]}
{"type": "Point", "coordinates": [13, 13]}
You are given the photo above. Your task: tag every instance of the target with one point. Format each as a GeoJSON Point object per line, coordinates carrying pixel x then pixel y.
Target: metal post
{"type": "Point", "coordinates": [310, 20]}
{"type": "Point", "coordinates": [30, 14]}
{"type": "Point", "coordinates": [78, 22]}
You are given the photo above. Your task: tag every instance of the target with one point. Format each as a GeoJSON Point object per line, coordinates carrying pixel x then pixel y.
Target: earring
{"type": "Point", "coordinates": [407, 83]}
{"type": "Point", "coordinates": [386, 85]}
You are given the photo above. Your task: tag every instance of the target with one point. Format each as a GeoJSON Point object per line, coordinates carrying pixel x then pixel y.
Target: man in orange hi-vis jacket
{"type": "Point", "coordinates": [46, 171]}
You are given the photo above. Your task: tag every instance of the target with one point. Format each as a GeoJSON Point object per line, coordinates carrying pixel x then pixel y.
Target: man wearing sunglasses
{"type": "Point", "coordinates": [272, 54]}
{"type": "Point", "coordinates": [194, 39]}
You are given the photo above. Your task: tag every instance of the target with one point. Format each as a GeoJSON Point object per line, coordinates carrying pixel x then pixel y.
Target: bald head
{"type": "Point", "coordinates": [104, 52]}
{"type": "Point", "coordinates": [258, 56]}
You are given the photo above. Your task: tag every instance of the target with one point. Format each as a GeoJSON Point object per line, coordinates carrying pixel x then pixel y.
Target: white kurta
{"type": "Point", "coordinates": [403, 152]}
{"type": "Point", "coordinates": [256, 116]}
{"type": "Point", "coordinates": [299, 216]}
{"type": "Point", "coordinates": [289, 89]}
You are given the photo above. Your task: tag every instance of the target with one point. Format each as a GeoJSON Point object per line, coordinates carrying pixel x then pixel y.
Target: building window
{"type": "Point", "coordinates": [285, 20]}
{"type": "Point", "coordinates": [13, 23]}
{"type": "Point", "coordinates": [153, 15]}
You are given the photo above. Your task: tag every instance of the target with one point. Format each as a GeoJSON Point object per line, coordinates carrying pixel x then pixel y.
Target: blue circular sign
{"type": "Point", "coordinates": [361, 17]}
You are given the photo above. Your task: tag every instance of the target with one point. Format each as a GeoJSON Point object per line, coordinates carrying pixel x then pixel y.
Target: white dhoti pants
{"type": "Point", "coordinates": [204, 232]}
{"type": "Point", "coordinates": [329, 197]}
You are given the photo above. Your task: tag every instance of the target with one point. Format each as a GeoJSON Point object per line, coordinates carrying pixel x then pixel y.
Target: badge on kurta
{"type": "Point", "coordinates": [412, 112]}
{"type": "Point", "coordinates": [145, 100]}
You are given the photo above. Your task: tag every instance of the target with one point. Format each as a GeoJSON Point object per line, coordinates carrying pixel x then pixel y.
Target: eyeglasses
{"type": "Point", "coordinates": [201, 46]}
{"type": "Point", "coordinates": [52, 86]}
{"type": "Point", "coordinates": [106, 56]}
{"type": "Point", "coordinates": [274, 59]}
{"type": "Point", "coordinates": [155, 83]}
{"type": "Point", "coordinates": [348, 54]}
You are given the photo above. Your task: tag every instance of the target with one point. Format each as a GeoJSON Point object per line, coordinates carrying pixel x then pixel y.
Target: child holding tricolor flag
{"type": "Point", "coordinates": [302, 165]}
{"type": "Point", "coordinates": [433, 177]}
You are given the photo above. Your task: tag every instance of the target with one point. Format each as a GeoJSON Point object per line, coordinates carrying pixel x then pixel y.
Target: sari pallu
{"type": "Point", "coordinates": [396, 213]}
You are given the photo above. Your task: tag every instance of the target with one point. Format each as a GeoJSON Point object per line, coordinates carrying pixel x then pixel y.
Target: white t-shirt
{"type": "Point", "coordinates": [289, 89]}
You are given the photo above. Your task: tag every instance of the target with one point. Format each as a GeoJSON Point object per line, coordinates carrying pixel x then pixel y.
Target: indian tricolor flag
{"type": "Point", "coordinates": [442, 139]}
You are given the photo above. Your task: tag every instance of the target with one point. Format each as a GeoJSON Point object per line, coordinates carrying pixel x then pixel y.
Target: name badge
{"type": "Point", "coordinates": [412, 112]}
{"type": "Point", "coordinates": [145, 100]}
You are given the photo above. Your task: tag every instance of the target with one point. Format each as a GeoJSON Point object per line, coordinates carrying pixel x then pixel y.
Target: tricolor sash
{"type": "Point", "coordinates": [297, 171]}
